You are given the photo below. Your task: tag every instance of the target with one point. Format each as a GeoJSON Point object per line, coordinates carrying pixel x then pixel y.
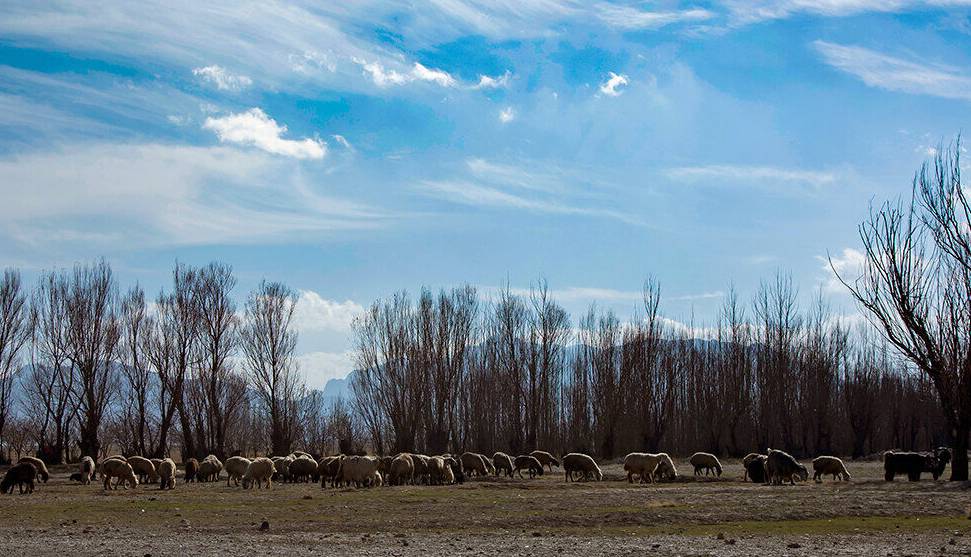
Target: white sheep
{"type": "Point", "coordinates": [86, 467]}
{"type": "Point", "coordinates": [580, 463]}
{"type": "Point", "coordinates": [259, 471]}
{"type": "Point", "coordinates": [166, 474]}
{"type": "Point", "coordinates": [236, 467]}
{"type": "Point", "coordinates": [707, 462]}
{"type": "Point", "coordinates": [829, 465]}
{"type": "Point", "coordinates": [114, 468]}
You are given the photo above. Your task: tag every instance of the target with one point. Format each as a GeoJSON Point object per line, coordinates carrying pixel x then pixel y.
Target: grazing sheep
{"type": "Point", "coordinates": [39, 465]}
{"type": "Point", "coordinates": [166, 474]}
{"type": "Point", "coordinates": [209, 469]}
{"type": "Point", "coordinates": [236, 467]}
{"type": "Point", "coordinates": [260, 470]}
{"type": "Point", "coordinates": [191, 470]}
{"type": "Point", "coordinates": [829, 465]}
{"type": "Point", "coordinates": [86, 470]}
{"type": "Point", "coordinates": [402, 470]}
{"type": "Point", "coordinates": [530, 463]}
{"type": "Point", "coordinates": [421, 468]}
{"type": "Point", "coordinates": [328, 469]}
{"type": "Point", "coordinates": [545, 458]}
{"type": "Point", "coordinates": [436, 471]}
{"type": "Point", "coordinates": [582, 464]}
{"type": "Point", "coordinates": [116, 457]}
{"type": "Point", "coordinates": [156, 462]}
{"type": "Point", "coordinates": [780, 466]}
{"type": "Point", "coordinates": [641, 465]}
{"type": "Point", "coordinates": [456, 467]}
{"type": "Point", "coordinates": [302, 454]}
{"type": "Point", "coordinates": [912, 464]}
{"type": "Point", "coordinates": [144, 469]}
{"type": "Point", "coordinates": [943, 455]}
{"type": "Point", "coordinates": [473, 464]}
{"type": "Point", "coordinates": [487, 462]}
{"type": "Point", "coordinates": [303, 469]}
{"type": "Point", "coordinates": [503, 463]}
{"type": "Point", "coordinates": [707, 462]}
{"type": "Point", "coordinates": [358, 470]}
{"type": "Point", "coordinates": [22, 475]}
{"type": "Point", "coordinates": [665, 468]}
{"type": "Point", "coordinates": [754, 464]}
{"type": "Point", "coordinates": [114, 468]}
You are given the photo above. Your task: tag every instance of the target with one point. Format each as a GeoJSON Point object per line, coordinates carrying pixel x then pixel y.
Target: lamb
{"type": "Point", "coordinates": [545, 458]}
{"type": "Point", "coordinates": [641, 465]}
{"type": "Point", "coordinates": [580, 463]}
{"type": "Point", "coordinates": [530, 463]}
{"type": "Point", "coordinates": [76, 477]}
{"type": "Point", "coordinates": [781, 466]}
{"type": "Point", "coordinates": [260, 470]}
{"type": "Point", "coordinates": [144, 468]}
{"type": "Point", "coordinates": [39, 465]}
{"type": "Point", "coordinates": [473, 464]}
{"type": "Point", "coordinates": [236, 467]}
{"type": "Point", "coordinates": [754, 464]}
{"type": "Point", "coordinates": [303, 468]}
{"type": "Point", "coordinates": [912, 464]}
{"type": "Point", "coordinates": [829, 465]}
{"type": "Point", "coordinates": [191, 470]}
{"type": "Point", "coordinates": [114, 468]}
{"type": "Point", "coordinates": [707, 462]}
{"type": "Point", "coordinates": [166, 474]}
{"type": "Point", "coordinates": [22, 475]}
{"type": "Point", "coordinates": [86, 470]}
{"type": "Point", "coordinates": [502, 463]}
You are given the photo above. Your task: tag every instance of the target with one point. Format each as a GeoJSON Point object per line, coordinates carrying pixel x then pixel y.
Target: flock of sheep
{"type": "Point", "coordinates": [775, 467]}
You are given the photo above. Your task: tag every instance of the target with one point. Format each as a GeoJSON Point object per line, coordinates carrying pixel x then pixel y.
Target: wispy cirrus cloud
{"type": "Point", "coordinates": [718, 174]}
{"type": "Point", "coordinates": [896, 74]}
{"type": "Point", "coordinates": [751, 11]}
{"type": "Point", "coordinates": [630, 18]}
{"type": "Point", "coordinates": [255, 128]}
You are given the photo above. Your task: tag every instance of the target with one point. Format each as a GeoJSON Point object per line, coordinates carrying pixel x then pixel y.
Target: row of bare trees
{"type": "Point", "coordinates": [84, 367]}
{"type": "Point", "coordinates": [448, 372]}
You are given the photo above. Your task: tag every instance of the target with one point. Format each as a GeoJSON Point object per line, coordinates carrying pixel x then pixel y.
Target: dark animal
{"type": "Point", "coordinates": [755, 467]}
{"type": "Point", "coordinates": [528, 462]}
{"type": "Point", "coordinates": [191, 469]}
{"type": "Point", "coordinates": [780, 467]}
{"type": "Point", "coordinates": [22, 475]}
{"type": "Point", "coordinates": [914, 464]}
{"type": "Point", "coordinates": [456, 467]}
{"type": "Point", "coordinates": [76, 477]}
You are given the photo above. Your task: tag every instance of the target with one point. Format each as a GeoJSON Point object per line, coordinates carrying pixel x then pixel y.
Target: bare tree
{"type": "Point", "coordinates": [136, 325]}
{"type": "Point", "coordinates": [50, 384]}
{"type": "Point", "coordinates": [269, 343]}
{"type": "Point", "coordinates": [93, 334]}
{"type": "Point", "coordinates": [916, 287]}
{"type": "Point", "coordinates": [15, 331]}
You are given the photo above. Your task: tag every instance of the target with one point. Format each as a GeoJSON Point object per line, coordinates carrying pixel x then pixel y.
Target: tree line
{"type": "Point", "coordinates": [85, 368]}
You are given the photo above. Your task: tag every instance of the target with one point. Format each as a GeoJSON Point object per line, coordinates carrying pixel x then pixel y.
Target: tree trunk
{"type": "Point", "coordinates": [959, 459]}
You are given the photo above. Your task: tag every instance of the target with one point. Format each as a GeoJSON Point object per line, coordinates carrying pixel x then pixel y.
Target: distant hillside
{"type": "Point", "coordinates": [339, 388]}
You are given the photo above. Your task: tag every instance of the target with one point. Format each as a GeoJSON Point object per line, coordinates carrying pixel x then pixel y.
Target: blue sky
{"type": "Point", "coordinates": [365, 147]}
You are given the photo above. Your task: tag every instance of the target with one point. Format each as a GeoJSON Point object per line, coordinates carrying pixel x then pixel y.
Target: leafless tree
{"type": "Point", "coordinates": [136, 324]}
{"type": "Point", "coordinates": [15, 331]}
{"type": "Point", "coordinates": [93, 335]}
{"type": "Point", "coordinates": [916, 287]}
{"type": "Point", "coordinates": [268, 342]}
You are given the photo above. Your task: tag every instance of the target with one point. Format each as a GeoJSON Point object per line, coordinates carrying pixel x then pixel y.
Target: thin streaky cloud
{"type": "Point", "coordinates": [896, 74]}
{"type": "Point", "coordinates": [735, 173]}
{"type": "Point", "coordinates": [629, 18]}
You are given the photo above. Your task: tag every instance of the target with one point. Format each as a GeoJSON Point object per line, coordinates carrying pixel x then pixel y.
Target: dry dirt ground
{"type": "Point", "coordinates": [544, 516]}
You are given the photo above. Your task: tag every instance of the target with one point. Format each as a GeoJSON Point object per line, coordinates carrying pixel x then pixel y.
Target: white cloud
{"type": "Point", "coordinates": [315, 313]}
{"type": "Point", "coordinates": [96, 197]}
{"type": "Point", "coordinates": [612, 86]}
{"type": "Point", "coordinates": [343, 142]}
{"type": "Point", "coordinates": [848, 264]}
{"type": "Point", "coordinates": [439, 77]}
{"type": "Point", "coordinates": [311, 61]}
{"type": "Point", "coordinates": [752, 174]}
{"type": "Point", "coordinates": [256, 129]}
{"type": "Point", "coordinates": [750, 11]}
{"type": "Point", "coordinates": [507, 115]}
{"type": "Point", "coordinates": [222, 79]}
{"type": "Point", "coordinates": [499, 82]}
{"type": "Point", "coordinates": [896, 74]}
{"type": "Point", "coordinates": [320, 367]}
{"type": "Point", "coordinates": [626, 17]}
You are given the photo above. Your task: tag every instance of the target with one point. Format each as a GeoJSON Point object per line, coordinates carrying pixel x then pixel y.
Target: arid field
{"type": "Point", "coordinates": [545, 516]}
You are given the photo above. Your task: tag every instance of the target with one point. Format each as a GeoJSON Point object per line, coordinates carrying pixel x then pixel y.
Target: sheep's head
{"type": "Point", "coordinates": [803, 473]}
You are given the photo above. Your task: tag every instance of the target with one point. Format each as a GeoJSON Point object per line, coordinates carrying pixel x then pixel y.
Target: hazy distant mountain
{"type": "Point", "coordinates": [339, 388]}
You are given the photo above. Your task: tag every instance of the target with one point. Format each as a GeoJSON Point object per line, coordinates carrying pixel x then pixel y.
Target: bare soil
{"type": "Point", "coordinates": [544, 516]}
